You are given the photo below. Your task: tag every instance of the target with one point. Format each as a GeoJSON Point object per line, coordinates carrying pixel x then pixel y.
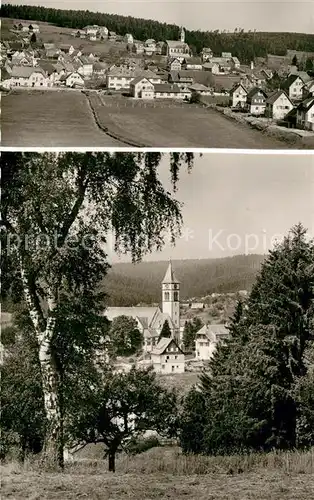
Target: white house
{"type": "Point", "coordinates": [238, 96]}
{"type": "Point", "coordinates": [199, 88]}
{"type": "Point", "coordinates": [171, 91]}
{"type": "Point", "coordinates": [67, 48]}
{"type": "Point", "coordinates": [128, 38]}
{"type": "Point", "coordinates": [293, 86]}
{"type": "Point", "coordinates": [73, 80]}
{"type": "Point", "coordinates": [167, 357]}
{"type": "Point", "coordinates": [193, 63]}
{"type": "Point", "coordinates": [25, 76]}
{"type": "Point", "coordinates": [91, 30]}
{"type": "Point", "coordinates": [305, 114]}
{"type": "Point", "coordinates": [206, 54]}
{"type": "Point", "coordinates": [138, 48]}
{"type": "Point", "coordinates": [142, 88]}
{"type": "Point", "coordinates": [278, 105]}
{"type": "Point", "coordinates": [85, 66]}
{"type": "Point", "coordinates": [308, 89]}
{"type": "Point", "coordinates": [207, 339]}
{"type": "Point", "coordinates": [213, 67]}
{"type": "Point", "coordinates": [256, 101]}
{"type": "Point", "coordinates": [103, 32]}
{"type": "Point", "coordinates": [119, 78]}
{"type": "Point", "coordinates": [174, 65]}
{"type": "Point", "coordinates": [150, 47]}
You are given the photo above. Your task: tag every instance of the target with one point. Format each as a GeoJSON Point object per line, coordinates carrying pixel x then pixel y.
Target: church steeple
{"type": "Point", "coordinates": [171, 296]}
{"type": "Point", "coordinates": [182, 35]}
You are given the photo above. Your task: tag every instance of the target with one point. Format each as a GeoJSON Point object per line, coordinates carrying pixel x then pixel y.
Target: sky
{"type": "Point", "coordinates": [262, 15]}
{"type": "Point", "coordinates": [239, 203]}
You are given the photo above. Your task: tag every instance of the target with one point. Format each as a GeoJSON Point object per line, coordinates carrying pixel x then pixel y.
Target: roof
{"type": "Point", "coordinates": [25, 71]}
{"type": "Point", "coordinates": [207, 50]}
{"type": "Point", "coordinates": [176, 44]}
{"type": "Point", "coordinates": [226, 55]}
{"type": "Point", "coordinates": [198, 87]}
{"type": "Point", "coordinates": [214, 332]}
{"type": "Point", "coordinates": [65, 46]}
{"type": "Point", "coordinates": [254, 91]}
{"type": "Point", "coordinates": [306, 105]}
{"type": "Point", "coordinates": [163, 344]}
{"type": "Point", "coordinates": [210, 64]}
{"type": "Point", "coordinates": [236, 86]}
{"type": "Point", "coordinates": [194, 60]}
{"type": "Point", "coordinates": [275, 95]}
{"type": "Point", "coordinates": [170, 276]}
{"type": "Point", "coordinates": [289, 81]}
{"type": "Point", "coordinates": [302, 74]}
{"type": "Point", "coordinates": [47, 66]}
{"type": "Point", "coordinates": [138, 79]}
{"type": "Point", "coordinates": [134, 312]}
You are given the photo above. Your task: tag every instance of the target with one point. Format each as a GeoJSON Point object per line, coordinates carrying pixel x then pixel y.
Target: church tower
{"type": "Point", "coordinates": [182, 35]}
{"type": "Point", "coordinates": [171, 296]}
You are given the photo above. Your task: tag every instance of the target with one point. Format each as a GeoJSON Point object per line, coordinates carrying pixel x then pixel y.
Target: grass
{"type": "Point", "coordinates": [163, 473]}
{"type": "Point", "coordinates": [50, 118]}
{"type": "Point", "coordinates": [168, 124]}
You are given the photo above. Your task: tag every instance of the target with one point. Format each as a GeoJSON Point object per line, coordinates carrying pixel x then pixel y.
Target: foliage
{"type": "Point", "coordinates": [122, 408]}
{"type": "Point", "coordinates": [245, 45]}
{"type": "Point", "coordinates": [259, 391]}
{"type": "Point", "coordinates": [189, 333]}
{"type": "Point", "coordinates": [125, 337]}
{"type": "Point", "coordinates": [56, 212]}
{"type": "Point", "coordinates": [165, 331]}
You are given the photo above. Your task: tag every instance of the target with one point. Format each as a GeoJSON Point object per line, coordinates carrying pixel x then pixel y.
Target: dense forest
{"type": "Point", "coordinates": [245, 45]}
{"type": "Point", "coordinates": [128, 284]}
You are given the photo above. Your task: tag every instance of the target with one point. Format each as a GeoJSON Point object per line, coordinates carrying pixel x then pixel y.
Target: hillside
{"type": "Point", "coordinates": [128, 284]}
{"type": "Point", "coordinates": [245, 45]}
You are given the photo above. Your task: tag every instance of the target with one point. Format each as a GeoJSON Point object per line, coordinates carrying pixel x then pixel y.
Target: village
{"type": "Point", "coordinates": [151, 71]}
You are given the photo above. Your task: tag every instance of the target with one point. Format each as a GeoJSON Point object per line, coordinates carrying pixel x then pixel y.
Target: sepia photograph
{"type": "Point", "coordinates": [236, 74]}
{"type": "Point", "coordinates": [157, 325]}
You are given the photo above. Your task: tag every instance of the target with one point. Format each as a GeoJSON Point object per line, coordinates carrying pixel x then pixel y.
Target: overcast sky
{"type": "Point", "coordinates": [240, 203]}
{"type": "Point", "coordinates": [262, 15]}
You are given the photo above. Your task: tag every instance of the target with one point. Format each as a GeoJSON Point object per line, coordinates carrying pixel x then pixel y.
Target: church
{"type": "Point", "coordinates": [150, 320]}
{"type": "Point", "coordinates": [177, 49]}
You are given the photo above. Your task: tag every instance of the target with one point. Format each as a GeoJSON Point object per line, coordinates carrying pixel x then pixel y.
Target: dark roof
{"type": "Point", "coordinates": [254, 91]}
{"type": "Point", "coordinates": [274, 96]}
{"type": "Point", "coordinates": [306, 105]}
{"type": "Point", "coordinates": [167, 87]}
{"type": "Point", "coordinates": [289, 81]}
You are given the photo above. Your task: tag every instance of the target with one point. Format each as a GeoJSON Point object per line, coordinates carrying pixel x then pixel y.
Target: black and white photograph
{"type": "Point", "coordinates": [157, 325]}
{"type": "Point", "coordinates": [176, 74]}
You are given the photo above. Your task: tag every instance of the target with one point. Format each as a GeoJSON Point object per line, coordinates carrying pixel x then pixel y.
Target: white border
{"type": "Point", "coordinates": [299, 152]}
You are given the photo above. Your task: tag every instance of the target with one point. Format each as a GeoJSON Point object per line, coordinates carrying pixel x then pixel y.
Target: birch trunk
{"type": "Point", "coordinates": [44, 330]}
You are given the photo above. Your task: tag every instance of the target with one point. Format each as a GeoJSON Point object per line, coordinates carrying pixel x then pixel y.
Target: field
{"type": "Point", "coordinates": [50, 119]}
{"type": "Point", "coordinates": [162, 473]}
{"type": "Point", "coordinates": [164, 124]}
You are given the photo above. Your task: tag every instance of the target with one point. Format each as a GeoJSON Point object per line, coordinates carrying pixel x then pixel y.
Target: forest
{"type": "Point", "coordinates": [245, 45]}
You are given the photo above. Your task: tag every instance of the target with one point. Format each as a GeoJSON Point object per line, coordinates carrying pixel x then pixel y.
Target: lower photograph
{"type": "Point", "coordinates": [157, 325]}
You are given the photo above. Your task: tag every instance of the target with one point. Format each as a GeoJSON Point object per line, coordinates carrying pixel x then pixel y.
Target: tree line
{"type": "Point", "coordinates": [245, 45]}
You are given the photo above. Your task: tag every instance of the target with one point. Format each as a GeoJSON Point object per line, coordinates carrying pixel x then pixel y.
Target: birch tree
{"type": "Point", "coordinates": [57, 213]}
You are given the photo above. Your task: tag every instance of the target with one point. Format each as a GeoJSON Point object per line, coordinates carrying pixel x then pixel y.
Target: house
{"type": "Point", "coordinates": [167, 357]}
{"type": "Point", "coordinates": [67, 48]}
{"type": "Point", "coordinates": [293, 86]}
{"type": "Point", "coordinates": [171, 91]}
{"type": "Point", "coordinates": [138, 48]}
{"type": "Point", "coordinates": [128, 38]}
{"type": "Point", "coordinates": [238, 96]}
{"type": "Point", "coordinates": [308, 89]}
{"type": "Point", "coordinates": [213, 67]}
{"type": "Point", "coordinates": [119, 78]}
{"type": "Point", "coordinates": [278, 105]}
{"type": "Point", "coordinates": [142, 88]}
{"type": "Point", "coordinates": [199, 88]}
{"type": "Point", "coordinates": [256, 101]}
{"type": "Point", "coordinates": [206, 54]}
{"type": "Point", "coordinates": [112, 35]}
{"type": "Point", "coordinates": [207, 339]}
{"type": "Point", "coordinates": [150, 47]}
{"type": "Point", "coordinates": [26, 76]}
{"type": "Point", "coordinates": [197, 305]}
{"type": "Point", "coordinates": [50, 72]}
{"type": "Point", "coordinates": [85, 66]}
{"type": "Point", "coordinates": [268, 73]}
{"type": "Point", "coordinates": [103, 32]}
{"type": "Point", "coordinates": [192, 63]}
{"type": "Point", "coordinates": [226, 55]}
{"type": "Point", "coordinates": [73, 80]}
{"type": "Point", "coordinates": [305, 114]}
{"type": "Point", "coordinates": [181, 78]}
{"type": "Point", "coordinates": [33, 28]}
{"type": "Point", "coordinates": [91, 30]}
{"type": "Point", "coordinates": [174, 65]}
{"type": "Point", "coordinates": [100, 69]}
{"type": "Point", "coordinates": [235, 63]}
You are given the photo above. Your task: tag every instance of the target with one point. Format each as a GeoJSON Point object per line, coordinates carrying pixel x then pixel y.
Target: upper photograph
{"type": "Point", "coordinates": [157, 74]}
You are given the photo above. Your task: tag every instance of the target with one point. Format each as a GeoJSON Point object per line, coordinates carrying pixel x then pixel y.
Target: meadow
{"type": "Point", "coordinates": [162, 473]}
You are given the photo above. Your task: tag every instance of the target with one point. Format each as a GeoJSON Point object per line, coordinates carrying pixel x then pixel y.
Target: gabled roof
{"type": "Point", "coordinates": [214, 333]}
{"type": "Point", "coordinates": [254, 91]}
{"type": "Point", "coordinates": [163, 344]}
{"type": "Point", "coordinates": [170, 276]}
{"type": "Point", "coordinates": [134, 312]}
{"type": "Point", "coordinates": [25, 71]}
{"type": "Point", "coordinates": [176, 44]}
{"type": "Point", "coordinates": [236, 86]}
{"type": "Point", "coordinates": [289, 81]}
{"type": "Point", "coordinates": [275, 95]}
{"type": "Point", "coordinates": [139, 79]}
{"type": "Point", "coordinates": [306, 105]}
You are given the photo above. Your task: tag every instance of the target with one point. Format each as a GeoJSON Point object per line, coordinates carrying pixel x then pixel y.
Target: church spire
{"type": "Point", "coordinates": [182, 35]}
{"type": "Point", "coordinates": [170, 276]}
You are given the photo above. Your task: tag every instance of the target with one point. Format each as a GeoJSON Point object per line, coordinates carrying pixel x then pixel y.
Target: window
{"type": "Point", "coordinates": [176, 357]}
{"type": "Point", "coordinates": [172, 368]}
{"type": "Point", "coordinates": [167, 296]}
{"type": "Point", "coordinates": [176, 296]}
{"type": "Point", "coordinates": [162, 367]}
